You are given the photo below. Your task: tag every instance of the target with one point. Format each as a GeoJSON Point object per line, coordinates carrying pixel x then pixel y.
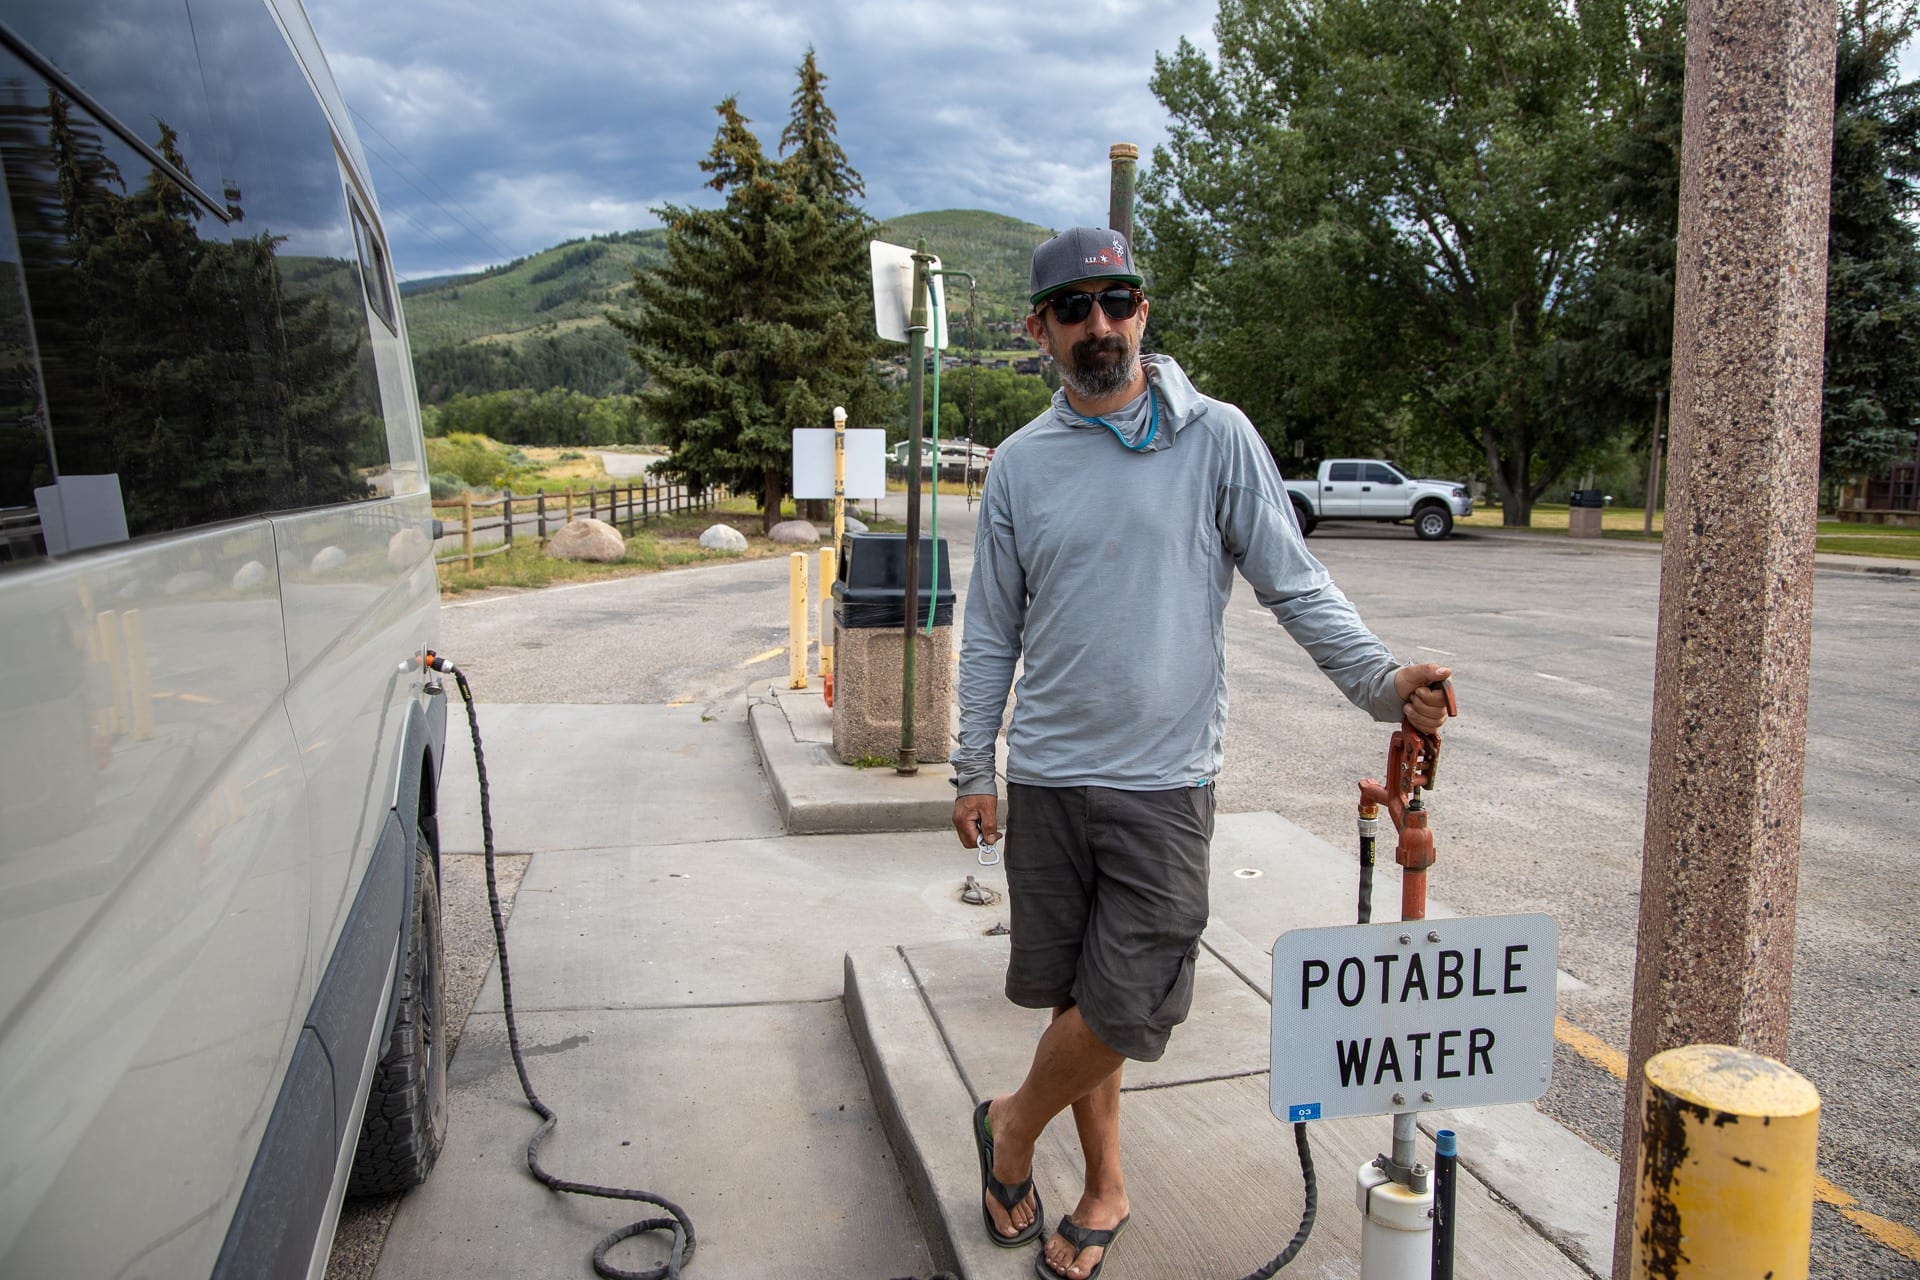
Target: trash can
{"type": "Point", "coordinates": [1584, 507]}
{"type": "Point", "coordinates": [869, 654]}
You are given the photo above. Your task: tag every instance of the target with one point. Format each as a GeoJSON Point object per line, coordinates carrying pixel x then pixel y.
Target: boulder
{"type": "Point", "coordinates": [587, 540]}
{"type": "Point", "coordinates": [855, 526]}
{"type": "Point", "coordinates": [408, 546]}
{"type": "Point", "coordinates": [723, 537]}
{"type": "Point", "coordinates": [327, 559]}
{"type": "Point", "coordinates": [251, 576]}
{"type": "Point", "coordinates": [796, 533]}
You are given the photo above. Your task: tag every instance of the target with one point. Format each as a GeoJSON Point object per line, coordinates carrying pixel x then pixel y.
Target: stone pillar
{"type": "Point", "coordinates": [1721, 863]}
{"type": "Point", "coordinates": [869, 665]}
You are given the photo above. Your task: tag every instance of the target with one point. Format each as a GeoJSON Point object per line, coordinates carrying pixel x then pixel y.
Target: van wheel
{"type": "Point", "coordinates": [1308, 522]}
{"type": "Point", "coordinates": [1432, 522]}
{"type": "Point", "coordinates": [406, 1120]}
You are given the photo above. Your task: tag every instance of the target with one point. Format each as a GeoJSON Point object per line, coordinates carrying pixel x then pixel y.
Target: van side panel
{"type": "Point", "coordinates": [148, 999]}
{"type": "Point", "coordinates": [279, 1216]}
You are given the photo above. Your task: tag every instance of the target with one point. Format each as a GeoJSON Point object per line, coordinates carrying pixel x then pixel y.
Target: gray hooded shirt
{"type": "Point", "coordinates": [1103, 562]}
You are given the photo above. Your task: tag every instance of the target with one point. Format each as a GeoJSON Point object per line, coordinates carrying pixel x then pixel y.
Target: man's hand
{"type": "Point", "coordinates": [977, 818]}
{"type": "Point", "coordinates": [1425, 707]}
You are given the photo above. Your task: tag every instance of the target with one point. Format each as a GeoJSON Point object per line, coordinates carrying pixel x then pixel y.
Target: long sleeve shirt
{"type": "Point", "coordinates": [1103, 562]}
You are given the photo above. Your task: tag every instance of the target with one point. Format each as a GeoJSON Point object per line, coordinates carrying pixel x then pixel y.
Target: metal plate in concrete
{"type": "Point", "coordinates": [730, 922]}
{"type": "Point", "coordinates": [597, 776]}
{"type": "Point", "coordinates": [777, 1154]}
{"type": "Point", "coordinates": [1226, 1034]}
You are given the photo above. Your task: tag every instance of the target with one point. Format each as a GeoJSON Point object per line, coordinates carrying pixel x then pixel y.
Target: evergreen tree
{"type": "Point", "coordinates": [759, 320]}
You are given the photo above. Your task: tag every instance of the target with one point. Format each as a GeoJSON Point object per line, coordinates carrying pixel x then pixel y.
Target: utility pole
{"type": "Point", "coordinates": [1725, 773]}
{"type": "Point", "coordinates": [1123, 156]}
{"type": "Point", "coordinates": [908, 763]}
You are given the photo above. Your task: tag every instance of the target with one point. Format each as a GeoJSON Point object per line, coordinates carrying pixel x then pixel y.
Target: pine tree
{"type": "Point", "coordinates": [758, 321]}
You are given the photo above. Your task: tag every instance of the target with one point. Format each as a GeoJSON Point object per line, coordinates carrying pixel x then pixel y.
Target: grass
{"type": "Point", "coordinates": [669, 542]}
{"type": "Point", "coordinates": [1626, 524]}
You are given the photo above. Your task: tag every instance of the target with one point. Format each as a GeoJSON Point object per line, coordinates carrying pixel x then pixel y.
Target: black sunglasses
{"type": "Point", "coordinates": [1073, 307]}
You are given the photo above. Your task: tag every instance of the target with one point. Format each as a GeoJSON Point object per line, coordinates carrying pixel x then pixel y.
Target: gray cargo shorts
{"type": "Point", "coordinates": [1108, 896]}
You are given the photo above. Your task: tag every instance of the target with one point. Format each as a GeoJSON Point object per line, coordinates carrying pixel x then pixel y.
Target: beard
{"type": "Point", "coordinates": [1101, 366]}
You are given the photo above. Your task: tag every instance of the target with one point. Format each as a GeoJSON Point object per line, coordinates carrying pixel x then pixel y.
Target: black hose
{"type": "Point", "coordinates": [1307, 1214]}
{"type": "Point", "coordinates": [1366, 879]}
{"type": "Point", "coordinates": [678, 1223]}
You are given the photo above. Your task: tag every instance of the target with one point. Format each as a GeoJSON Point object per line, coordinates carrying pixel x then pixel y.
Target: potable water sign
{"type": "Point", "coordinates": [1374, 1019]}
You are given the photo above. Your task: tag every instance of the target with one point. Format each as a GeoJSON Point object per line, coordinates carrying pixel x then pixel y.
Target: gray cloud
{"type": "Point", "coordinates": [582, 117]}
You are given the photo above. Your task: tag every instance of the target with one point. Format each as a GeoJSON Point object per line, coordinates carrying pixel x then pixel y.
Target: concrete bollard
{"type": "Point", "coordinates": [797, 620]}
{"type": "Point", "coordinates": [1726, 1174]}
{"type": "Point", "coordinates": [827, 570]}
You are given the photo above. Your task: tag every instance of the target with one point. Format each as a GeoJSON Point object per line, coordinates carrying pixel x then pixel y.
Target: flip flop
{"type": "Point", "coordinates": [1082, 1238]}
{"type": "Point", "coordinates": [1008, 1196]}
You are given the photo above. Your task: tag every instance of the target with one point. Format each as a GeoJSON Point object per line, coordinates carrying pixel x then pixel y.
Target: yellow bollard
{"type": "Point", "coordinates": [826, 615]}
{"type": "Point", "coordinates": [797, 620]}
{"type": "Point", "coordinates": [1726, 1167]}
{"type": "Point", "coordinates": [108, 623]}
{"type": "Point", "coordinates": [139, 679]}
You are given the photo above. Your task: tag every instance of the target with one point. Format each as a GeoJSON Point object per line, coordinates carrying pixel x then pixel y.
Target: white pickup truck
{"type": "Point", "coordinates": [1362, 489]}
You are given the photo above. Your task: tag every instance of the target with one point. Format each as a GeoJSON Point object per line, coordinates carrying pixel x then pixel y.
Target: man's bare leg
{"type": "Point", "coordinates": [1069, 1064]}
{"type": "Point", "coordinates": [1103, 1199]}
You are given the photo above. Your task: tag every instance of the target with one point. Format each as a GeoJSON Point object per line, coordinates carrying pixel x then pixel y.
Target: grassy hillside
{"type": "Point", "coordinates": [541, 321]}
{"type": "Point", "coordinates": [569, 282]}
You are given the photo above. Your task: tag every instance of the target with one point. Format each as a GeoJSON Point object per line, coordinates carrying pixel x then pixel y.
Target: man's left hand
{"type": "Point", "coordinates": [1422, 701]}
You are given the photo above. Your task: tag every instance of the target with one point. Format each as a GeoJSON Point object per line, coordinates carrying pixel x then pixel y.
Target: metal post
{"type": "Point", "coordinates": [797, 620]}
{"type": "Point", "coordinates": [1446, 1159]}
{"type": "Point", "coordinates": [139, 677]}
{"type": "Point", "coordinates": [506, 512]}
{"type": "Point", "coordinates": [910, 599]}
{"type": "Point", "coordinates": [1726, 1169]}
{"type": "Point", "coordinates": [1653, 463]}
{"type": "Point", "coordinates": [1123, 156]}
{"type": "Point", "coordinates": [540, 513]}
{"type": "Point", "coordinates": [1726, 768]}
{"type": "Point", "coordinates": [828, 564]}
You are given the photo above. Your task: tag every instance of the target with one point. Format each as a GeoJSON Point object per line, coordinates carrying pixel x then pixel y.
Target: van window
{"type": "Point", "coordinates": [179, 368]}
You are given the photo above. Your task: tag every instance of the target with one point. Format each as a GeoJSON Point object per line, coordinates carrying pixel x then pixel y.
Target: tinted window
{"type": "Point", "coordinates": [1377, 474]}
{"type": "Point", "coordinates": [1343, 471]}
{"type": "Point", "coordinates": [190, 364]}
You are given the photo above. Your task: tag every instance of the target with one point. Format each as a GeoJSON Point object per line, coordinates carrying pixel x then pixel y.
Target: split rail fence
{"type": "Point", "coordinates": [623, 506]}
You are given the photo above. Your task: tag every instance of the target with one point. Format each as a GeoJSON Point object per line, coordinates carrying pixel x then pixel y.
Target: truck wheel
{"type": "Point", "coordinates": [1306, 518]}
{"type": "Point", "coordinates": [406, 1120]}
{"type": "Point", "coordinates": [1432, 522]}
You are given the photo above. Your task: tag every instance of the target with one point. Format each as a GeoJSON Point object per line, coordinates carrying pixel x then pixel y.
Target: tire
{"type": "Point", "coordinates": [1432, 522]}
{"type": "Point", "coordinates": [1307, 520]}
{"type": "Point", "coordinates": [406, 1119]}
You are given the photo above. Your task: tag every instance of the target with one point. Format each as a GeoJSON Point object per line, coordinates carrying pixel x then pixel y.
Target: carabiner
{"type": "Point", "coordinates": [988, 853]}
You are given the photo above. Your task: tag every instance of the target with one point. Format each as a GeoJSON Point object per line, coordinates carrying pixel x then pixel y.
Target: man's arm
{"type": "Point", "coordinates": [994, 619]}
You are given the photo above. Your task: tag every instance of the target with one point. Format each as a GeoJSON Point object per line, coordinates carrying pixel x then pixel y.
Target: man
{"type": "Point", "coordinates": [1110, 529]}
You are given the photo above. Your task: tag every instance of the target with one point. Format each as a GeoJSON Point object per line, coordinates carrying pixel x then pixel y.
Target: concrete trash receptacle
{"type": "Point", "coordinates": [869, 650]}
{"type": "Point", "coordinates": [1584, 510]}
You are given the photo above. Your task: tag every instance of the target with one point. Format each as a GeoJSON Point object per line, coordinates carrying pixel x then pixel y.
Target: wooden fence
{"type": "Point", "coordinates": [619, 505]}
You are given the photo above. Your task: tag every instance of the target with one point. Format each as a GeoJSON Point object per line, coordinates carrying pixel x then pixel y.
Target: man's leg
{"type": "Point", "coordinates": [1103, 1199]}
{"type": "Point", "coordinates": [1071, 1066]}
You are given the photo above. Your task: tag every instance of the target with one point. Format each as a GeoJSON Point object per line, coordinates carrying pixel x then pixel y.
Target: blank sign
{"type": "Point", "coordinates": [813, 462]}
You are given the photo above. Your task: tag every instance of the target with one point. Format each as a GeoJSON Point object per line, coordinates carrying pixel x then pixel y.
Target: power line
{"type": "Point", "coordinates": [458, 213]}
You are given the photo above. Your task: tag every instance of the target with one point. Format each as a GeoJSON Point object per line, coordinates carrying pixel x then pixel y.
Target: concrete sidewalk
{"type": "Point", "coordinates": [745, 976]}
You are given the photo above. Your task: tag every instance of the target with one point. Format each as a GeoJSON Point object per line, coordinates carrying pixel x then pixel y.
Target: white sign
{"type": "Point", "coordinates": [1412, 1015]}
{"type": "Point", "coordinates": [813, 462]}
{"type": "Point", "coordinates": [893, 295]}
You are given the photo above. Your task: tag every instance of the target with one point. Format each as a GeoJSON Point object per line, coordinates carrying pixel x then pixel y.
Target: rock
{"type": "Point", "coordinates": [250, 575]}
{"type": "Point", "coordinates": [723, 537]}
{"type": "Point", "coordinates": [187, 583]}
{"type": "Point", "coordinates": [327, 559]}
{"type": "Point", "coordinates": [407, 547]}
{"type": "Point", "coordinates": [855, 526]}
{"type": "Point", "coordinates": [587, 540]}
{"type": "Point", "coordinates": [793, 533]}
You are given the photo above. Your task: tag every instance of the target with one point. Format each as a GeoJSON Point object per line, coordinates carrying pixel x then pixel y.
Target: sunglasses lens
{"type": "Point", "coordinates": [1120, 304]}
{"type": "Point", "coordinates": [1071, 308]}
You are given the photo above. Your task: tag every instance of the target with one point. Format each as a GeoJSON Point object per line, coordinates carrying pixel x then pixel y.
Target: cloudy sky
{"type": "Point", "coordinates": [499, 128]}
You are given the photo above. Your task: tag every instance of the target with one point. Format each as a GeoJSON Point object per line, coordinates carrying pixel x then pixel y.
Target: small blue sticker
{"type": "Point", "coordinates": [1303, 1111]}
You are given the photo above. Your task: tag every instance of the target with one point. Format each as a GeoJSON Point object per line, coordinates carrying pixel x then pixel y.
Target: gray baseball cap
{"type": "Point", "coordinates": [1081, 253]}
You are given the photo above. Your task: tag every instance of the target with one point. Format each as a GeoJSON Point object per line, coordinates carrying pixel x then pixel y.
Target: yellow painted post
{"type": "Point", "coordinates": [109, 624]}
{"type": "Point", "coordinates": [827, 566]}
{"type": "Point", "coordinates": [797, 620]}
{"type": "Point", "coordinates": [139, 678]}
{"type": "Point", "coordinates": [466, 528]}
{"type": "Point", "coordinates": [839, 475]}
{"type": "Point", "coordinates": [1726, 1175]}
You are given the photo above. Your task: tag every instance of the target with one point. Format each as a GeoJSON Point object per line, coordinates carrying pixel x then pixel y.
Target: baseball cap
{"type": "Point", "coordinates": [1081, 253]}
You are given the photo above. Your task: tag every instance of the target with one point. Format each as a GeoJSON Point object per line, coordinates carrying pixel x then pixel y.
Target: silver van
{"type": "Point", "coordinates": [220, 973]}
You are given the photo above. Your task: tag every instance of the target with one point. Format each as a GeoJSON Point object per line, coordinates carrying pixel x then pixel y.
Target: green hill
{"type": "Point", "coordinates": [540, 322]}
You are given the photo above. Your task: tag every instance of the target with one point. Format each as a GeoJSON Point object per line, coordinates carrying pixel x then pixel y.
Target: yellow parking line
{"type": "Point", "coordinates": [1902, 1239]}
{"type": "Point", "coordinates": [758, 658]}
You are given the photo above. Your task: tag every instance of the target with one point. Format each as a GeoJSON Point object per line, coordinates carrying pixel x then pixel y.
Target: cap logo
{"type": "Point", "coordinates": [1113, 256]}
